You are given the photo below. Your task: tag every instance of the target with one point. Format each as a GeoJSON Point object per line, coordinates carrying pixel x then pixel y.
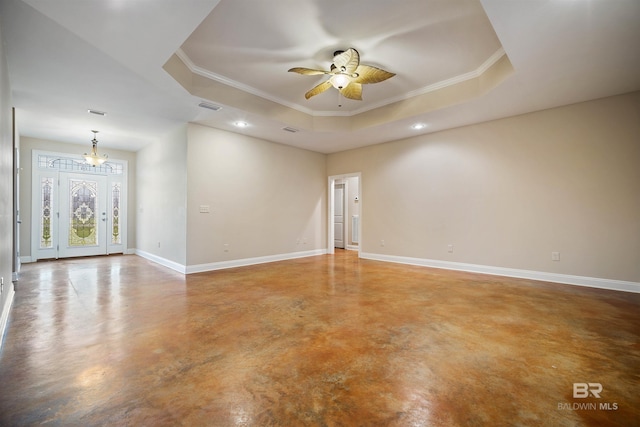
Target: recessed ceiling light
{"type": "Point", "coordinates": [241, 124]}
{"type": "Point", "coordinates": [418, 126]}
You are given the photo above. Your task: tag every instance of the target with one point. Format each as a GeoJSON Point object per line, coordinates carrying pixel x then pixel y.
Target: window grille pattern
{"type": "Point", "coordinates": [67, 164]}
{"type": "Point", "coordinates": [46, 196]}
{"type": "Point", "coordinates": [82, 213]}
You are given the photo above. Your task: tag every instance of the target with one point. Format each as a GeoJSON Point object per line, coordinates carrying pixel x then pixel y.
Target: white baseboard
{"type": "Point", "coordinates": [28, 259]}
{"type": "Point", "coordinates": [4, 316]}
{"type": "Point", "coordinates": [198, 268]}
{"type": "Point", "coordinates": [252, 261]}
{"type": "Point", "coordinates": [592, 282]}
{"type": "Point", "coordinates": [162, 261]}
{"type": "Point", "coordinates": [352, 247]}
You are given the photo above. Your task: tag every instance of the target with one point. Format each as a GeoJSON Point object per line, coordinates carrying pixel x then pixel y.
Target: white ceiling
{"type": "Point", "coordinates": [68, 56]}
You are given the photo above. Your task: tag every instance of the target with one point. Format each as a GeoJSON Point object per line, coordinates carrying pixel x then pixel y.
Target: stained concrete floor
{"type": "Point", "coordinates": [319, 341]}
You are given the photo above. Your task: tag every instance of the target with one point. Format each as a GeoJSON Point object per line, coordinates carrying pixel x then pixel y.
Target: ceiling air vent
{"type": "Point", "coordinates": [97, 113]}
{"type": "Point", "coordinates": [210, 106]}
{"type": "Point", "coordinates": [288, 129]}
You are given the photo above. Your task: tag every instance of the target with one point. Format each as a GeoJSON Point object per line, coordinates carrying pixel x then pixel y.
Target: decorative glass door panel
{"type": "Point", "coordinates": [116, 238]}
{"type": "Point", "coordinates": [44, 219]}
{"type": "Point", "coordinates": [82, 212]}
{"type": "Point", "coordinates": [83, 215]}
{"type": "Point", "coordinates": [46, 212]}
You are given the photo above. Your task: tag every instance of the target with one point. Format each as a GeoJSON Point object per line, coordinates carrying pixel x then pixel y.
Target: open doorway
{"type": "Point", "coordinates": [345, 212]}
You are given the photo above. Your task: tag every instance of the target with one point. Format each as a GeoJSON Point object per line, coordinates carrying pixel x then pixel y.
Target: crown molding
{"type": "Point", "coordinates": [495, 57]}
{"type": "Point", "coordinates": [237, 85]}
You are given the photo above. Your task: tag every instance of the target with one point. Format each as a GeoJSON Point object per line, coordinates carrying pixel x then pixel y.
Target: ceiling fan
{"type": "Point", "coordinates": [347, 75]}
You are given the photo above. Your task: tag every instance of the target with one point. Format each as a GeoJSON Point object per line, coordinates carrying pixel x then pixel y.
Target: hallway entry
{"type": "Point", "coordinates": [77, 209]}
{"type": "Point", "coordinates": [344, 212]}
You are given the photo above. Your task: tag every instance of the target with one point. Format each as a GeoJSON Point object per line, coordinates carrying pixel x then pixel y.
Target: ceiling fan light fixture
{"type": "Point", "coordinates": [340, 81]}
{"type": "Point", "coordinates": [93, 158]}
{"type": "Point", "coordinates": [347, 75]}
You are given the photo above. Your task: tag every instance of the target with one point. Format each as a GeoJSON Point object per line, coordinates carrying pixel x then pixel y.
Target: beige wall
{"type": "Point", "coordinates": [504, 193]}
{"type": "Point", "coordinates": [27, 145]}
{"type": "Point", "coordinates": [264, 198]}
{"type": "Point", "coordinates": [509, 192]}
{"type": "Point", "coordinates": [161, 188]}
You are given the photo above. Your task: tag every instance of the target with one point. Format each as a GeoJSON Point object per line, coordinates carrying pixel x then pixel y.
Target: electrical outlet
{"type": "Point", "coordinates": [226, 247]}
{"type": "Point", "coordinates": [555, 256]}
{"type": "Point", "coordinates": [381, 242]}
{"type": "Point", "coordinates": [450, 249]}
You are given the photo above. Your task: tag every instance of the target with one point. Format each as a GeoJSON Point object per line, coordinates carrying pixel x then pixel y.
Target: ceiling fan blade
{"type": "Point", "coordinates": [307, 71]}
{"type": "Point", "coordinates": [368, 74]}
{"type": "Point", "coordinates": [347, 61]}
{"type": "Point", "coordinates": [318, 89]}
{"type": "Point", "coordinates": [352, 91]}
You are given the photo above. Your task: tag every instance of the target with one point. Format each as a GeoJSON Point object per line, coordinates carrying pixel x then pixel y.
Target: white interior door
{"type": "Point", "coordinates": [338, 216]}
{"type": "Point", "coordinates": [83, 213]}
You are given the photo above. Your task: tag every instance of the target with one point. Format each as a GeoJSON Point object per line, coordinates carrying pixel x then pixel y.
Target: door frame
{"type": "Point", "coordinates": [114, 170]}
{"type": "Point", "coordinates": [338, 183]}
{"type": "Point", "coordinates": [16, 198]}
{"type": "Point", "coordinates": [330, 221]}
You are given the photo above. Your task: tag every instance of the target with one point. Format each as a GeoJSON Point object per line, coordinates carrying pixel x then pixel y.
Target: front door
{"type": "Point", "coordinates": [83, 215]}
{"type": "Point", "coordinates": [78, 210]}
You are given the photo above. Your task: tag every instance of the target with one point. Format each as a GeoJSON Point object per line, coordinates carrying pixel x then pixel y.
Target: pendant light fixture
{"type": "Point", "coordinates": [94, 159]}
